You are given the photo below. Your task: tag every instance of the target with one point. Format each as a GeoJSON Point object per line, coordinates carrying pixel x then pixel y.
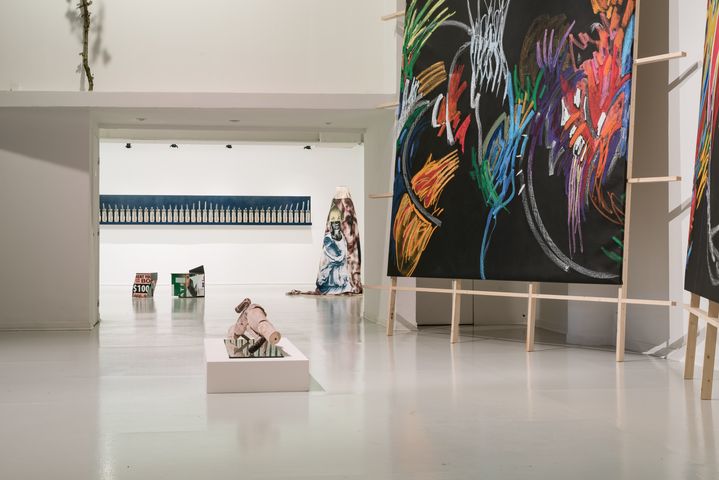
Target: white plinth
{"type": "Point", "coordinates": [244, 375]}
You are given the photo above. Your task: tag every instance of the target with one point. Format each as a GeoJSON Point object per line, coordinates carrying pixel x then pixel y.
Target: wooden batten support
{"type": "Point", "coordinates": [652, 303]}
{"type": "Point", "coordinates": [378, 196]}
{"type": "Point", "coordinates": [655, 179]}
{"type": "Point", "coordinates": [621, 323]}
{"type": "Point", "coordinates": [392, 16]}
{"type": "Point", "coordinates": [710, 346]}
{"type": "Point", "coordinates": [385, 106]}
{"type": "Point", "coordinates": [691, 347]}
{"type": "Point", "coordinates": [660, 58]}
{"type": "Point", "coordinates": [538, 296]}
{"type": "Point", "coordinates": [485, 293]}
{"type": "Point", "coordinates": [456, 310]}
{"type": "Point", "coordinates": [701, 314]}
{"type": "Point", "coordinates": [391, 306]}
{"type": "Point", "coordinates": [531, 316]}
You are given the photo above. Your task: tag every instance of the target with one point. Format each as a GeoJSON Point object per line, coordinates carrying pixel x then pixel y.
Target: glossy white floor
{"type": "Point", "coordinates": [128, 401]}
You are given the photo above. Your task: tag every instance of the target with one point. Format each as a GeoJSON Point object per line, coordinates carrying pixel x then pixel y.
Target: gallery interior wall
{"type": "Point", "coordinates": [46, 183]}
{"type": "Point", "coordinates": [287, 255]}
{"type": "Point", "coordinates": [379, 167]}
{"type": "Point", "coordinates": [379, 175]}
{"type": "Point", "coordinates": [287, 46]}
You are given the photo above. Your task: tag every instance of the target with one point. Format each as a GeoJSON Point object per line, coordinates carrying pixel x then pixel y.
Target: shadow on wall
{"type": "Point", "coordinates": [59, 136]}
{"type": "Point", "coordinates": [686, 75]}
{"type": "Point", "coordinates": [97, 49]}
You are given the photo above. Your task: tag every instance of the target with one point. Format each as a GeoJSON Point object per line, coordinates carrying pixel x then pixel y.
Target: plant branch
{"type": "Point", "coordinates": [84, 7]}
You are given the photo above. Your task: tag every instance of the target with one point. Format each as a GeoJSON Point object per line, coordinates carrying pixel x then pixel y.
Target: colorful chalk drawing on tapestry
{"type": "Point", "coordinates": [512, 140]}
{"type": "Point", "coordinates": [702, 269]}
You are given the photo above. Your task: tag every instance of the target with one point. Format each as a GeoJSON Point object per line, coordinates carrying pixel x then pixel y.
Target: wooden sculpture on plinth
{"type": "Point", "coordinates": [252, 335]}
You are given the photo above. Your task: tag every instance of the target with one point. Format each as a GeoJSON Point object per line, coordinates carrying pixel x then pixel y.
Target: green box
{"type": "Point", "coordinates": [189, 285]}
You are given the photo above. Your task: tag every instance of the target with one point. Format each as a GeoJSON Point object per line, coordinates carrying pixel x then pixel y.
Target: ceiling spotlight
{"type": "Point", "coordinates": [228, 146]}
{"type": "Point", "coordinates": [328, 123]}
{"type": "Point", "coordinates": [308, 147]}
{"type": "Point", "coordinates": [234, 120]}
{"type": "Point", "coordinates": [173, 145]}
{"type": "Point", "coordinates": [128, 145]}
{"type": "Point", "coordinates": [141, 119]}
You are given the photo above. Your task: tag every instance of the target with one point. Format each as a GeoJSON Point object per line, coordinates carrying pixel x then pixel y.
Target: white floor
{"type": "Point", "coordinates": [127, 401]}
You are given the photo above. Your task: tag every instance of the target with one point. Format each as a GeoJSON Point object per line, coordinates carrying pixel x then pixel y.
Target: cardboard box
{"type": "Point", "coordinates": [189, 285]}
{"type": "Point", "coordinates": [144, 285]}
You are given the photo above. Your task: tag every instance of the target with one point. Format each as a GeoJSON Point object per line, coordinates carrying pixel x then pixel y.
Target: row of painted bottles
{"type": "Point", "coordinates": [199, 215]}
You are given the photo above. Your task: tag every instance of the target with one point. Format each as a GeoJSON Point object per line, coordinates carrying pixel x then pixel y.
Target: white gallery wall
{"type": "Point", "coordinates": [287, 255]}
{"type": "Point", "coordinates": [277, 46]}
{"type": "Point", "coordinates": [379, 170]}
{"type": "Point", "coordinates": [47, 180]}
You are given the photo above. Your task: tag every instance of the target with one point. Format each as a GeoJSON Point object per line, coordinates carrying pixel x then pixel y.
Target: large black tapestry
{"type": "Point", "coordinates": [702, 272]}
{"type": "Point", "coordinates": [512, 140]}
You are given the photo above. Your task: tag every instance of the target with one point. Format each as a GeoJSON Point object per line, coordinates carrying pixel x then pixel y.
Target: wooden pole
{"type": "Point", "coordinates": [456, 306]}
{"type": "Point", "coordinates": [392, 16]}
{"type": "Point", "coordinates": [710, 345]}
{"type": "Point", "coordinates": [664, 57]}
{"type": "Point", "coordinates": [690, 356]}
{"type": "Point", "coordinates": [391, 304]}
{"type": "Point", "coordinates": [622, 306]}
{"type": "Point", "coordinates": [655, 179]}
{"type": "Point", "coordinates": [621, 324]}
{"type": "Point", "coordinates": [538, 296]}
{"type": "Point", "coordinates": [384, 106]}
{"type": "Point", "coordinates": [531, 317]}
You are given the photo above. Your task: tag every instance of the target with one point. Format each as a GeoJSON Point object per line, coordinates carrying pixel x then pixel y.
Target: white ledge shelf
{"type": "Point", "coordinates": [214, 100]}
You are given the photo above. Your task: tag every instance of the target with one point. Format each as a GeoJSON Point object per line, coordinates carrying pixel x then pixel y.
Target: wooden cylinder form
{"type": "Point", "coordinates": [259, 324]}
